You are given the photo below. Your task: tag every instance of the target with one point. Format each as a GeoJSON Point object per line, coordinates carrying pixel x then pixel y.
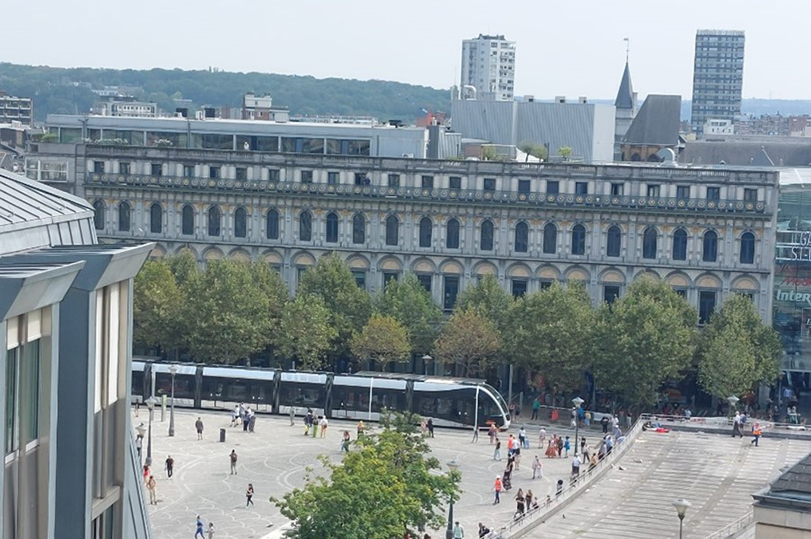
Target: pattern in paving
{"type": "Point", "coordinates": [274, 459]}
{"type": "Point", "coordinates": [716, 473]}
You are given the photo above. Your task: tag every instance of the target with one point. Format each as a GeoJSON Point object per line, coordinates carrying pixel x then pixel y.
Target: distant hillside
{"type": "Point", "coordinates": [60, 90]}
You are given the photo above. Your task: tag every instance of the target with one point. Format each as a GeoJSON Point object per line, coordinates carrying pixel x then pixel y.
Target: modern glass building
{"type": "Point", "coordinates": [717, 76]}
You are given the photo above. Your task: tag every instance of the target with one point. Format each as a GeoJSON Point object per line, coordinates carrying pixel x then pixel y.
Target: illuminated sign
{"type": "Point", "coordinates": [793, 245]}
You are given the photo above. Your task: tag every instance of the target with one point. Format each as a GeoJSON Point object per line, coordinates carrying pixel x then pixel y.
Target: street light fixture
{"type": "Point", "coordinates": [173, 372]}
{"type": "Point", "coordinates": [141, 430]}
{"type": "Point", "coordinates": [453, 466]}
{"type": "Point", "coordinates": [425, 359]}
{"type": "Point", "coordinates": [733, 401]}
{"type": "Point", "coordinates": [577, 402]}
{"type": "Point", "coordinates": [681, 506]}
{"type": "Point", "coordinates": [150, 403]}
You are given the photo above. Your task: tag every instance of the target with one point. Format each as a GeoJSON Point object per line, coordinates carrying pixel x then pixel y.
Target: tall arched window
{"type": "Point", "coordinates": [214, 218]}
{"type": "Point", "coordinates": [359, 228]}
{"type": "Point", "coordinates": [452, 239]}
{"type": "Point", "coordinates": [240, 223]}
{"type": "Point", "coordinates": [426, 229]}
{"type": "Point", "coordinates": [124, 211]}
{"type": "Point", "coordinates": [305, 226]}
{"type": "Point", "coordinates": [521, 237]}
{"type": "Point", "coordinates": [187, 220]}
{"type": "Point", "coordinates": [392, 230]}
{"type": "Point", "coordinates": [550, 238]}
{"type": "Point", "coordinates": [710, 250]}
{"type": "Point", "coordinates": [579, 240]}
{"type": "Point", "coordinates": [486, 243]}
{"type": "Point", "coordinates": [680, 244]}
{"type": "Point", "coordinates": [332, 227]}
{"type": "Point", "coordinates": [98, 215]}
{"type": "Point", "coordinates": [272, 225]}
{"type": "Point", "coordinates": [614, 241]}
{"type": "Point", "coordinates": [649, 242]}
{"type": "Point", "coordinates": [748, 248]}
{"type": "Point", "coordinates": [155, 218]}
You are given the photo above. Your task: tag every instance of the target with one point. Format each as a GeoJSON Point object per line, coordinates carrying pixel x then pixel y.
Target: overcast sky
{"type": "Point", "coordinates": [568, 47]}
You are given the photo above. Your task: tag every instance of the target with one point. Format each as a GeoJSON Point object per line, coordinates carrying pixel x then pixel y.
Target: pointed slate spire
{"type": "Point", "coordinates": [625, 96]}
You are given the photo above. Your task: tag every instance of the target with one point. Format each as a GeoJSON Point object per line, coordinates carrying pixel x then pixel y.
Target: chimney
{"type": "Point", "coordinates": [560, 99]}
{"type": "Point", "coordinates": [582, 100]}
{"type": "Point", "coordinates": [530, 98]}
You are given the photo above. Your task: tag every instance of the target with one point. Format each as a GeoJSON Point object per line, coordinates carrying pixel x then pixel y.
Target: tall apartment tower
{"type": "Point", "coordinates": [717, 76]}
{"type": "Point", "coordinates": [488, 65]}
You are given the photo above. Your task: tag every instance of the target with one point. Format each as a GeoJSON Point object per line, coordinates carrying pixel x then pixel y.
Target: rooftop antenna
{"type": "Point", "coordinates": [627, 48]}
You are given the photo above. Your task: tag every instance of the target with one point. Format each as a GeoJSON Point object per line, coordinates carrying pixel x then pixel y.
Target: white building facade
{"type": "Point", "coordinates": [488, 65]}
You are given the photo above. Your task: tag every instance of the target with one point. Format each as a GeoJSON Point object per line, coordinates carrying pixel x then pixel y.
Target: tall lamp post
{"type": "Point", "coordinates": [173, 372]}
{"type": "Point", "coordinates": [577, 402]}
{"type": "Point", "coordinates": [425, 359]}
{"type": "Point", "coordinates": [150, 403]}
{"type": "Point", "coordinates": [733, 401]}
{"type": "Point", "coordinates": [681, 506]}
{"type": "Point", "coordinates": [453, 466]}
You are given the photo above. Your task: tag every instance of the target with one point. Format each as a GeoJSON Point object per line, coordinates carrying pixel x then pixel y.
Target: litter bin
{"type": "Point", "coordinates": [222, 435]}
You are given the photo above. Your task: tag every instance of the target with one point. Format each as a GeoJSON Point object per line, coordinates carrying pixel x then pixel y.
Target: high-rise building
{"type": "Point", "coordinates": [717, 76]}
{"type": "Point", "coordinates": [16, 109]}
{"type": "Point", "coordinates": [488, 65]}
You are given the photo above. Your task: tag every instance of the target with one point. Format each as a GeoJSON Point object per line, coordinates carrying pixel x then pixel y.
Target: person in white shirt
{"type": "Point", "coordinates": [323, 424]}
{"type": "Point", "coordinates": [541, 438]}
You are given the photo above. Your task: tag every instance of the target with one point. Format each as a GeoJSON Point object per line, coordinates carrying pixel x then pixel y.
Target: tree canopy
{"type": "Point", "coordinates": [156, 307]}
{"type": "Point", "coordinates": [383, 339]}
{"type": "Point", "coordinates": [489, 299]}
{"type": "Point", "coordinates": [305, 332]}
{"type": "Point", "coordinates": [470, 341]}
{"type": "Point", "coordinates": [408, 302]}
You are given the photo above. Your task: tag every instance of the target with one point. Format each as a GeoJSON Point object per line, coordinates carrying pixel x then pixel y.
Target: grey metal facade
{"type": "Point", "coordinates": [717, 76]}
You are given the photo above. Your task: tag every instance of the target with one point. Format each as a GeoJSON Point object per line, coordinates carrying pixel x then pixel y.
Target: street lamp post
{"type": "Point", "coordinates": [172, 371]}
{"type": "Point", "coordinates": [425, 359]}
{"type": "Point", "coordinates": [150, 403]}
{"type": "Point", "coordinates": [681, 506]}
{"type": "Point", "coordinates": [577, 402]}
{"type": "Point", "coordinates": [452, 466]}
{"type": "Point", "coordinates": [733, 401]}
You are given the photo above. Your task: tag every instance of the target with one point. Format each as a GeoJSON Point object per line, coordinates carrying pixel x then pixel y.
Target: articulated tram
{"type": "Point", "coordinates": [451, 402]}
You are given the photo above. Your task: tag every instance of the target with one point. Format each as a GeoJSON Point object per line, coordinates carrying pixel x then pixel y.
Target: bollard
{"type": "Point", "coordinates": [222, 435]}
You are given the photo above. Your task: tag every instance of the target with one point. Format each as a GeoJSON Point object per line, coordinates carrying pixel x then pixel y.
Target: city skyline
{"type": "Point", "coordinates": [581, 54]}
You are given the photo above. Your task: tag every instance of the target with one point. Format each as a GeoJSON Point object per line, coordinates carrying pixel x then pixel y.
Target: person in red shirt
{"type": "Point", "coordinates": [498, 490]}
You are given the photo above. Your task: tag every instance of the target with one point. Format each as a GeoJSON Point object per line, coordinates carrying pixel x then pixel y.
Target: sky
{"type": "Point", "coordinates": [570, 47]}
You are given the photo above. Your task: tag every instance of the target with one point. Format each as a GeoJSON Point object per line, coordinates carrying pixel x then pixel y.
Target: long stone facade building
{"type": "Point", "coordinates": [708, 232]}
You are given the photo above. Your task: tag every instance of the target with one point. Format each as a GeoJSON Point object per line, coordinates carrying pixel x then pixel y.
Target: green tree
{"type": "Point", "coordinates": [489, 299]}
{"type": "Point", "coordinates": [469, 340]}
{"type": "Point", "coordinates": [645, 338]}
{"type": "Point", "coordinates": [272, 285]}
{"type": "Point", "coordinates": [349, 305]}
{"type": "Point", "coordinates": [227, 313]}
{"type": "Point", "coordinates": [535, 150]}
{"type": "Point", "coordinates": [736, 350]}
{"type": "Point", "coordinates": [386, 487]}
{"type": "Point", "coordinates": [157, 303]}
{"type": "Point", "coordinates": [409, 303]}
{"type": "Point", "coordinates": [382, 339]}
{"type": "Point", "coordinates": [305, 332]}
{"type": "Point", "coordinates": [552, 333]}
{"type": "Point", "coordinates": [565, 152]}
{"type": "Point", "coordinates": [184, 267]}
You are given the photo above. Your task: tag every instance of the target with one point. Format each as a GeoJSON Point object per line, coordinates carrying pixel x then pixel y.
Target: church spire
{"type": "Point", "coordinates": [625, 96]}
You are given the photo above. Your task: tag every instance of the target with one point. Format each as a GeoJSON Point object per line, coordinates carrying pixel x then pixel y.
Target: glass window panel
{"type": "Point", "coordinates": [710, 250]}
{"type": "Point", "coordinates": [649, 241]}
{"type": "Point", "coordinates": [214, 141]}
{"type": "Point", "coordinates": [579, 240]}
{"type": "Point", "coordinates": [333, 146]}
{"type": "Point", "coordinates": [12, 364]}
{"type": "Point", "coordinates": [69, 135]}
{"type": "Point", "coordinates": [614, 243]}
{"type": "Point", "coordinates": [521, 238]}
{"type": "Point", "coordinates": [392, 230]}
{"type": "Point", "coordinates": [332, 227]}
{"type": "Point", "coordinates": [706, 304]}
{"type": "Point", "coordinates": [163, 138]}
{"type": "Point", "coordinates": [452, 239]}
{"type": "Point", "coordinates": [425, 280]}
{"type": "Point", "coordinates": [214, 217]}
{"type": "Point", "coordinates": [550, 238]}
{"type": "Point", "coordinates": [359, 147]}
{"type": "Point", "coordinates": [680, 245]}
{"type": "Point", "coordinates": [188, 220]}
{"type": "Point", "coordinates": [288, 145]}
{"type": "Point", "coordinates": [124, 217]}
{"type": "Point", "coordinates": [305, 232]}
{"type": "Point", "coordinates": [610, 293]}
{"type": "Point", "coordinates": [426, 229]}
{"type": "Point", "coordinates": [272, 231]}
{"type": "Point", "coordinates": [98, 214]}
{"type": "Point", "coordinates": [240, 223]}
{"type": "Point", "coordinates": [552, 187]}
{"type": "Point", "coordinates": [450, 292]}
{"type": "Point", "coordinates": [748, 248]}
{"type": "Point", "coordinates": [155, 218]}
{"type": "Point", "coordinates": [487, 236]}
{"type": "Point", "coordinates": [267, 144]}
{"type": "Point", "coordinates": [312, 145]}
{"type": "Point", "coordinates": [519, 287]}
{"type": "Point", "coordinates": [359, 229]}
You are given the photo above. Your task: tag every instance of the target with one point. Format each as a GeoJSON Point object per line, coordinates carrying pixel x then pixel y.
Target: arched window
{"type": "Point", "coordinates": [426, 229]}
{"type": "Point", "coordinates": [649, 242]}
{"type": "Point", "coordinates": [392, 230]}
{"type": "Point", "coordinates": [579, 240]}
{"type": "Point", "coordinates": [359, 228]}
{"type": "Point", "coordinates": [98, 216]}
{"type": "Point", "coordinates": [187, 220]}
{"type": "Point", "coordinates": [332, 227]}
{"type": "Point", "coordinates": [521, 237]}
{"type": "Point", "coordinates": [305, 226]}
{"type": "Point", "coordinates": [214, 218]}
{"type": "Point", "coordinates": [710, 251]}
{"type": "Point", "coordinates": [486, 243]}
{"type": "Point", "coordinates": [614, 241]}
{"type": "Point", "coordinates": [748, 248]}
{"type": "Point", "coordinates": [680, 244]}
{"type": "Point", "coordinates": [155, 218]}
{"type": "Point", "coordinates": [124, 211]}
{"type": "Point", "coordinates": [452, 239]}
{"type": "Point", "coordinates": [240, 223]}
{"type": "Point", "coordinates": [272, 225]}
{"type": "Point", "coordinates": [550, 239]}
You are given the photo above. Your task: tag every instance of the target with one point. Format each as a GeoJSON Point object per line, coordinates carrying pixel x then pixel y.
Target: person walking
{"type": "Point", "coordinates": [170, 466]}
{"type": "Point", "coordinates": [345, 442]}
{"type": "Point", "coordinates": [430, 425]}
{"type": "Point", "coordinates": [529, 497]}
{"type": "Point", "coordinates": [292, 416]}
{"type": "Point", "coordinates": [604, 423]}
{"type": "Point", "coordinates": [233, 457]}
{"type": "Point", "coordinates": [497, 490]}
{"type": "Point", "coordinates": [199, 426]}
{"type": "Point", "coordinates": [575, 467]}
{"type": "Point", "coordinates": [492, 433]}
{"type": "Point", "coordinates": [537, 468]}
{"type": "Point", "coordinates": [246, 420]}
{"type": "Point", "coordinates": [360, 429]}
{"type": "Point", "coordinates": [736, 425]}
{"type": "Point", "coordinates": [234, 416]}
{"type": "Point", "coordinates": [210, 531]}
{"type": "Point", "coordinates": [139, 442]}
{"type": "Point", "coordinates": [497, 452]}
{"type": "Point", "coordinates": [253, 422]}
{"type": "Point", "coordinates": [567, 445]}
{"type": "Point", "coordinates": [249, 495]}
{"type": "Point", "coordinates": [458, 531]}
{"type": "Point", "coordinates": [199, 527]}
{"type": "Point", "coordinates": [324, 424]}
{"type": "Point", "coordinates": [756, 432]}
{"type": "Point", "coordinates": [519, 503]}
{"type": "Point", "coordinates": [541, 437]}
{"type": "Point", "coordinates": [152, 486]}
{"type": "Point", "coordinates": [483, 530]}
{"type": "Point", "coordinates": [536, 407]}
{"type": "Point", "coordinates": [146, 474]}
{"type": "Point", "coordinates": [522, 437]}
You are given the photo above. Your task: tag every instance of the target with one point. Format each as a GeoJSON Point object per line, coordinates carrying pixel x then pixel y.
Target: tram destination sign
{"type": "Point", "coordinates": [793, 245]}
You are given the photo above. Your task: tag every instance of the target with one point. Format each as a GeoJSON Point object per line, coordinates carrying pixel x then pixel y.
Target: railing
{"type": "Point", "coordinates": [444, 195]}
{"type": "Point", "coordinates": [733, 527]}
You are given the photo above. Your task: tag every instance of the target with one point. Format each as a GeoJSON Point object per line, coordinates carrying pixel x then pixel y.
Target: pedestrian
{"type": "Point", "coordinates": [541, 437]}
{"type": "Point", "coordinates": [587, 418]}
{"type": "Point", "coordinates": [241, 413]}
{"type": "Point", "coordinates": [345, 442]}
{"type": "Point", "coordinates": [146, 474]}
{"type": "Point", "coordinates": [139, 441]}
{"type": "Point", "coordinates": [233, 457]}
{"type": "Point", "coordinates": [210, 532]}
{"type": "Point", "coordinates": [582, 443]}
{"type": "Point", "coordinates": [170, 465]}
{"type": "Point", "coordinates": [497, 490]}
{"type": "Point", "coordinates": [249, 495]}
{"type": "Point", "coordinates": [736, 425]}
{"type": "Point", "coordinates": [253, 422]}
{"type": "Point", "coordinates": [246, 420]}
{"type": "Point", "coordinates": [308, 421]}
{"type": "Point", "coordinates": [292, 415]}
{"type": "Point", "coordinates": [497, 452]}
{"type": "Point", "coordinates": [519, 503]}
{"type": "Point", "coordinates": [756, 434]}
{"type": "Point", "coordinates": [536, 407]}
{"type": "Point", "coordinates": [575, 467]}
{"type": "Point", "coordinates": [604, 423]}
{"type": "Point", "coordinates": [537, 468]}
{"type": "Point", "coordinates": [522, 436]}
{"type": "Point", "coordinates": [152, 486]}
{"type": "Point", "coordinates": [559, 445]}
{"type": "Point", "coordinates": [316, 422]}
{"type": "Point", "coordinates": [492, 433]}
{"type": "Point", "coordinates": [510, 445]}
{"type": "Point", "coordinates": [529, 497]}
{"type": "Point", "coordinates": [458, 531]}
{"type": "Point", "coordinates": [199, 527]}
{"type": "Point", "coordinates": [483, 530]}
{"type": "Point", "coordinates": [430, 426]}
{"type": "Point", "coordinates": [234, 416]}
{"type": "Point", "coordinates": [360, 428]}
{"type": "Point", "coordinates": [593, 461]}
{"type": "Point", "coordinates": [199, 426]}
{"type": "Point", "coordinates": [324, 424]}
{"type": "Point", "coordinates": [506, 477]}
{"type": "Point", "coordinates": [517, 457]}
{"type": "Point", "coordinates": [566, 446]}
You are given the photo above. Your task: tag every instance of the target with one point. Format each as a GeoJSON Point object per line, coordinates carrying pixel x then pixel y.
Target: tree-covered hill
{"type": "Point", "coordinates": [69, 90]}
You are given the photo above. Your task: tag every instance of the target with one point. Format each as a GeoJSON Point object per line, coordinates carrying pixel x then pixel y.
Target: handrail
{"type": "Point", "coordinates": [733, 527]}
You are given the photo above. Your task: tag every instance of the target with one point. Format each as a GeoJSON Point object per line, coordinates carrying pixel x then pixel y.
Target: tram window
{"type": "Point", "coordinates": [391, 399]}
{"type": "Point", "coordinates": [353, 399]}
{"type": "Point", "coordinates": [138, 383]}
{"type": "Point", "coordinates": [301, 394]}
{"type": "Point", "coordinates": [452, 405]}
{"type": "Point", "coordinates": [184, 385]}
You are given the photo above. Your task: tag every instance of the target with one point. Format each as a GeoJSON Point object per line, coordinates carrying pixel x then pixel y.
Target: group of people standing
{"type": "Point", "coordinates": [245, 416]}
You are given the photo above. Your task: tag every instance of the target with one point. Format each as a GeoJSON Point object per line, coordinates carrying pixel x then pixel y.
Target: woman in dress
{"type": "Point", "coordinates": [519, 503]}
{"type": "Point", "coordinates": [551, 451]}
